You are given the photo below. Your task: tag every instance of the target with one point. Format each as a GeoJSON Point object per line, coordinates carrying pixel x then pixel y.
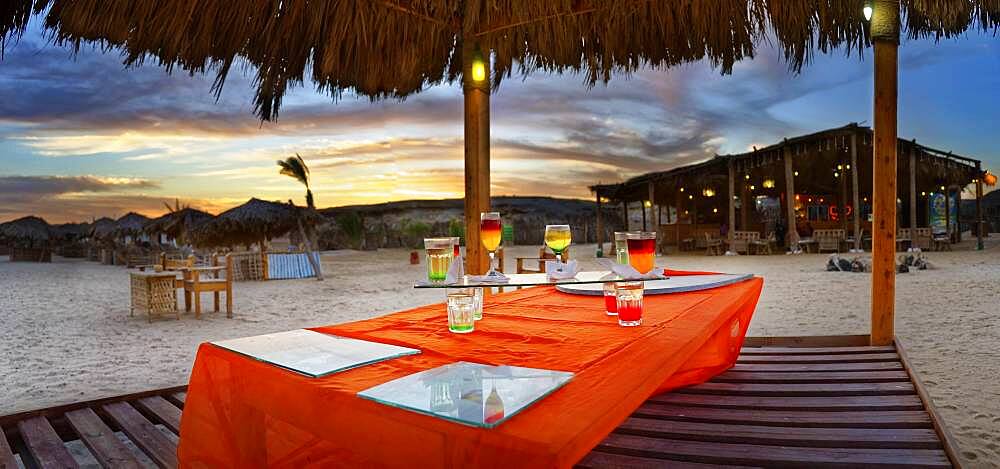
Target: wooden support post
{"type": "Point", "coordinates": [947, 211]}
{"type": "Point", "coordinates": [600, 226]}
{"type": "Point", "coordinates": [625, 215]}
{"type": "Point", "coordinates": [842, 202]}
{"type": "Point", "coordinates": [680, 212]}
{"type": "Point", "coordinates": [958, 214]}
{"type": "Point", "coordinates": [642, 207]}
{"type": "Point", "coordinates": [854, 191]}
{"type": "Point", "coordinates": [732, 206]}
{"type": "Point", "coordinates": [793, 232]}
{"type": "Point", "coordinates": [979, 206]}
{"type": "Point", "coordinates": [885, 32]}
{"type": "Point", "coordinates": [652, 206]}
{"type": "Point", "coordinates": [477, 158]}
{"type": "Point", "coordinates": [913, 188]}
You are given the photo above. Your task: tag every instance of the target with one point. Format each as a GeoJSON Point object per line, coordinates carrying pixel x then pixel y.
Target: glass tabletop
{"type": "Point", "coordinates": [530, 280]}
{"type": "Point", "coordinates": [469, 393]}
{"type": "Point", "coordinates": [313, 353]}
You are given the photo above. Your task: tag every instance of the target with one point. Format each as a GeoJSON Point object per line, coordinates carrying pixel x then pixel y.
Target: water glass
{"type": "Point", "coordinates": [477, 313]}
{"type": "Point", "coordinates": [461, 310]}
{"type": "Point", "coordinates": [610, 299]}
{"type": "Point", "coordinates": [439, 255]}
{"type": "Point", "coordinates": [621, 247]}
{"type": "Point", "coordinates": [456, 243]}
{"type": "Point", "coordinates": [629, 302]}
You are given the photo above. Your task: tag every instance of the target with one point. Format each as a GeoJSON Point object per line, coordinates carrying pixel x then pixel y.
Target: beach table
{"type": "Point", "coordinates": [240, 412]}
{"type": "Point", "coordinates": [153, 292]}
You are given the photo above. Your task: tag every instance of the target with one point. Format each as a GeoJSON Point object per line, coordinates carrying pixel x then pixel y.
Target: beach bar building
{"type": "Point", "coordinates": [819, 181]}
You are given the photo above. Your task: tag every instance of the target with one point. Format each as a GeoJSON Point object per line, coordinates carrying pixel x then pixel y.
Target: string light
{"type": "Point", "coordinates": [753, 187]}
{"type": "Point", "coordinates": [682, 189]}
{"type": "Point", "coordinates": [690, 197]}
{"type": "Point", "coordinates": [840, 167]}
{"type": "Point", "coordinates": [796, 174]}
{"type": "Point", "coordinates": [836, 174]}
{"type": "Point", "coordinates": [715, 210]}
{"type": "Point", "coordinates": [746, 176]}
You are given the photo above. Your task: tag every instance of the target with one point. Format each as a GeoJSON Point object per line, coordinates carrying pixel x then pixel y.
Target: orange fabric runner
{"type": "Point", "coordinates": [243, 413]}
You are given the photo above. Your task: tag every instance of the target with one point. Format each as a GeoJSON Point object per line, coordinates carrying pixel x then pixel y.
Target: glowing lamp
{"type": "Point", "coordinates": [715, 210]}
{"type": "Point", "coordinates": [605, 200]}
{"type": "Point", "coordinates": [990, 179]}
{"type": "Point", "coordinates": [753, 187]}
{"type": "Point", "coordinates": [797, 198]}
{"type": "Point", "coordinates": [682, 189]}
{"type": "Point", "coordinates": [708, 192]}
{"type": "Point", "coordinates": [746, 176]}
{"type": "Point", "coordinates": [796, 173]}
{"type": "Point", "coordinates": [685, 212]}
{"type": "Point", "coordinates": [821, 200]}
{"type": "Point", "coordinates": [690, 197]}
{"type": "Point", "coordinates": [848, 166]}
{"type": "Point", "coordinates": [836, 174]}
{"type": "Point", "coordinates": [647, 204]}
{"type": "Point", "coordinates": [923, 194]}
{"type": "Point", "coordinates": [478, 66]}
{"type": "Point", "coordinates": [769, 183]}
{"type": "Point", "coordinates": [865, 199]}
{"type": "Point", "coordinates": [942, 188]}
{"type": "Point", "coordinates": [840, 167]}
{"type": "Point", "coordinates": [867, 10]}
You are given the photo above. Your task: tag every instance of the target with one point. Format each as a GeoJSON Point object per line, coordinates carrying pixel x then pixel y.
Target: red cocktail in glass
{"type": "Point", "coordinates": [642, 252]}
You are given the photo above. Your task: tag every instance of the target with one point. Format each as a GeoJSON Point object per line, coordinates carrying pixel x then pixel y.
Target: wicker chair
{"type": "Point", "coordinates": [195, 285]}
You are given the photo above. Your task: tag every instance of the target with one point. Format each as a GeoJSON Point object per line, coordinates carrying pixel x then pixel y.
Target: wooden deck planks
{"type": "Point", "coordinates": [816, 407]}
{"type": "Point", "coordinates": [102, 442]}
{"type": "Point", "coordinates": [168, 414]}
{"type": "Point", "coordinates": [145, 435]}
{"type": "Point", "coordinates": [7, 460]}
{"type": "Point", "coordinates": [44, 444]}
{"type": "Point", "coordinates": [600, 460]}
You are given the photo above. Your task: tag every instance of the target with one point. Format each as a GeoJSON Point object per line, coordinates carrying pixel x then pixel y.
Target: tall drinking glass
{"type": "Point", "coordinates": [558, 238]}
{"type": "Point", "coordinates": [439, 253]}
{"type": "Point", "coordinates": [621, 247]}
{"type": "Point", "coordinates": [489, 234]}
{"type": "Point", "coordinates": [641, 250]}
{"type": "Point", "coordinates": [461, 310]}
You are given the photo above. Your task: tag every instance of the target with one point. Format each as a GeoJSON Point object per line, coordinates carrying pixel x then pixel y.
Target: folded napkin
{"type": "Point", "coordinates": [629, 272]}
{"type": "Point", "coordinates": [456, 271]}
{"type": "Point", "coordinates": [557, 270]}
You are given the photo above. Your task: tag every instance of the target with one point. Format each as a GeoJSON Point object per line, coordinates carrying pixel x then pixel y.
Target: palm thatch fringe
{"type": "Point", "coordinates": [177, 224]}
{"type": "Point", "coordinates": [102, 229]}
{"type": "Point", "coordinates": [253, 222]}
{"type": "Point", "coordinates": [26, 232]}
{"type": "Point", "coordinates": [130, 224]}
{"type": "Point", "coordinates": [394, 48]}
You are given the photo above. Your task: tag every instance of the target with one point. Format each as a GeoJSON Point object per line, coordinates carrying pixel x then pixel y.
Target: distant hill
{"type": "Point", "coordinates": [406, 223]}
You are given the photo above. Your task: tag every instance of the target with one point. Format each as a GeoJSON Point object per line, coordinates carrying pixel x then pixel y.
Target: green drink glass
{"type": "Point", "coordinates": [439, 253]}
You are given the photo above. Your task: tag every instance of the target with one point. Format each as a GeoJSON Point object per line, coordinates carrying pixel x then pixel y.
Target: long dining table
{"type": "Point", "coordinates": [241, 412]}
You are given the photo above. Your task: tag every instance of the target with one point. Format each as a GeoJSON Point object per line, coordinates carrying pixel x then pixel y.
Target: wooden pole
{"type": "Point", "coordinates": [652, 206]}
{"type": "Point", "coordinates": [913, 189]}
{"type": "Point", "coordinates": [732, 205]}
{"type": "Point", "coordinates": [642, 207]}
{"type": "Point", "coordinates": [677, 220]}
{"type": "Point", "coordinates": [885, 32]}
{"type": "Point", "coordinates": [793, 232]}
{"type": "Point", "coordinates": [477, 158]}
{"type": "Point", "coordinates": [600, 226]}
{"type": "Point", "coordinates": [947, 211]}
{"type": "Point", "coordinates": [979, 206]}
{"type": "Point", "coordinates": [843, 200]}
{"type": "Point", "coordinates": [958, 214]}
{"type": "Point", "coordinates": [854, 191]}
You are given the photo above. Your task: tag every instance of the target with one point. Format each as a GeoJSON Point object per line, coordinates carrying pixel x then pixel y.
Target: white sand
{"type": "Point", "coordinates": [67, 335]}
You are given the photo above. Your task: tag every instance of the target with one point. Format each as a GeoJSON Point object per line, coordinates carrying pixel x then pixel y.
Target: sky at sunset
{"type": "Point", "coordinates": [81, 137]}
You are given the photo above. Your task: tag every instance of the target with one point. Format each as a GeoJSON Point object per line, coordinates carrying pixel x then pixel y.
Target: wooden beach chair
{"type": "Point", "coordinates": [713, 246]}
{"type": "Point", "coordinates": [832, 402]}
{"type": "Point", "coordinates": [922, 238]}
{"type": "Point", "coordinates": [536, 265]}
{"type": "Point", "coordinates": [763, 246]}
{"type": "Point", "coordinates": [742, 240]}
{"type": "Point", "coordinates": [195, 285]}
{"type": "Point", "coordinates": [828, 240]}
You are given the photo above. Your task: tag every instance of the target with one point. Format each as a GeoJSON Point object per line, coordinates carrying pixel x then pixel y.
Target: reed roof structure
{"type": "Point", "coordinates": [394, 48]}
{"type": "Point", "coordinates": [178, 223]}
{"type": "Point", "coordinates": [28, 230]}
{"type": "Point", "coordinates": [102, 228]}
{"type": "Point", "coordinates": [130, 224]}
{"type": "Point", "coordinates": [255, 221]}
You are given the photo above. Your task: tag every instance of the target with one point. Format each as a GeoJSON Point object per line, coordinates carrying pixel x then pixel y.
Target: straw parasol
{"type": "Point", "coordinates": [393, 48]}
{"type": "Point", "coordinates": [71, 231]}
{"type": "Point", "coordinates": [177, 224]}
{"type": "Point", "coordinates": [130, 224]}
{"type": "Point", "coordinates": [253, 222]}
{"type": "Point", "coordinates": [27, 231]}
{"type": "Point", "coordinates": [102, 228]}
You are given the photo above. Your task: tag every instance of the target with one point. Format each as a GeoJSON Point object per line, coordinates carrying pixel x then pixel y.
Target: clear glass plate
{"type": "Point", "coordinates": [313, 353]}
{"type": "Point", "coordinates": [530, 280]}
{"type": "Point", "coordinates": [470, 393]}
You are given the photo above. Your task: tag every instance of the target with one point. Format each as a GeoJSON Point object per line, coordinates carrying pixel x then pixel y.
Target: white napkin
{"type": "Point", "coordinates": [456, 271]}
{"type": "Point", "coordinates": [557, 270]}
{"type": "Point", "coordinates": [627, 271]}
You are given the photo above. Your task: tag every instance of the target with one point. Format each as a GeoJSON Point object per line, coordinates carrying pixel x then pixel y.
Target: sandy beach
{"type": "Point", "coordinates": [67, 333]}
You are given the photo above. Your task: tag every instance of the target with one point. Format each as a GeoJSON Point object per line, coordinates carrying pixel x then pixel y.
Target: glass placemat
{"type": "Point", "coordinates": [469, 393]}
{"type": "Point", "coordinates": [313, 353]}
{"type": "Point", "coordinates": [531, 280]}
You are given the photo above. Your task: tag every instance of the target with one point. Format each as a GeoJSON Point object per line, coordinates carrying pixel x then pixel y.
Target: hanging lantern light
{"type": "Point", "coordinates": [708, 192]}
{"type": "Point", "coordinates": [990, 179]}
{"type": "Point", "coordinates": [478, 65]}
{"type": "Point", "coordinates": [867, 11]}
{"type": "Point", "coordinates": [768, 184]}
{"type": "Point", "coordinates": [647, 203]}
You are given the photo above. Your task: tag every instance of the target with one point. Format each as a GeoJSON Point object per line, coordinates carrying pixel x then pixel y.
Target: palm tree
{"type": "Point", "coordinates": [295, 167]}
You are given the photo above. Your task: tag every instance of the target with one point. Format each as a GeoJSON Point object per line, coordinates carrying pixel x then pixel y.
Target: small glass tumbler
{"type": "Point", "coordinates": [456, 243]}
{"type": "Point", "coordinates": [610, 299]}
{"type": "Point", "coordinates": [461, 310]}
{"type": "Point", "coordinates": [439, 255]}
{"type": "Point", "coordinates": [629, 296]}
{"type": "Point", "coordinates": [477, 313]}
{"type": "Point", "coordinates": [621, 247]}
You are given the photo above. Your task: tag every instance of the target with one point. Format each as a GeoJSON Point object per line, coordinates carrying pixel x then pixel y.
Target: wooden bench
{"type": "Point", "coordinates": [922, 238]}
{"type": "Point", "coordinates": [816, 402]}
{"type": "Point", "coordinates": [743, 240]}
{"type": "Point", "coordinates": [828, 240]}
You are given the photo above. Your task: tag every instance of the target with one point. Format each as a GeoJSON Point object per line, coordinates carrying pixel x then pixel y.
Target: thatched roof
{"type": "Point", "coordinates": [393, 48]}
{"type": "Point", "coordinates": [175, 224]}
{"type": "Point", "coordinates": [29, 230]}
{"type": "Point", "coordinates": [130, 224]}
{"type": "Point", "coordinates": [252, 222]}
{"type": "Point", "coordinates": [102, 228]}
{"type": "Point", "coordinates": [71, 230]}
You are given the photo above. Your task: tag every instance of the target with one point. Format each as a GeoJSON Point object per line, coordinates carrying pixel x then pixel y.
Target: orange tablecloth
{"type": "Point", "coordinates": [244, 413]}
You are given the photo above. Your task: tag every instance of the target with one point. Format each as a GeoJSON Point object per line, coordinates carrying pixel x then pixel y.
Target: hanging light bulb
{"type": "Point", "coordinates": [868, 10]}
{"type": "Point", "coordinates": [690, 197]}
{"type": "Point", "coordinates": [753, 187]}
{"type": "Point", "coordinates": [796, 173]}
{"type": "Point", "coordinates": [746, 176]}
{"type": "Point", "coordinates": [682, 189]}
{"type": "Point", "coordinates": [715, 210]}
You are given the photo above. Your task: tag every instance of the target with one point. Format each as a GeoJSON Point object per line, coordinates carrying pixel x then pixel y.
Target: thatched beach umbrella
{"type": "Point", "coordinates": [130, 224]}
{"type": "Point", "coordinates": [253, 222]}
{"type": "Point", "coordinates": [178, 224]}
{"type": "Point", "coordinates": [28, 231]}
{"type": "Point", "coordinates": [393, 48]}
{"type": "Point", "coordinates": [102, 229]}
{"type": "Point", "coordinates": [71, 231]}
